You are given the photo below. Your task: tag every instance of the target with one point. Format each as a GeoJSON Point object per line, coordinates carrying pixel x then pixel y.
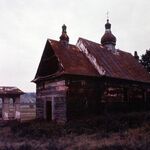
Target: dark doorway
{"type": "Point", "coordinates": [48, 111]}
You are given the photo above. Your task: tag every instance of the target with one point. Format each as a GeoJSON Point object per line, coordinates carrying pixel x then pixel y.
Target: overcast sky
{"type": "Point", "coordinates": [25, 26]}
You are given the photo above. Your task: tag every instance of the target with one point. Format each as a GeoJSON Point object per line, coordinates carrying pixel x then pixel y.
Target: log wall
{"type": "Point", "coordinates": [83, 98]}
{"type": "Point", "coordinates": [56, 93]}
{"type": "Point", "coordinates": [76, 97]}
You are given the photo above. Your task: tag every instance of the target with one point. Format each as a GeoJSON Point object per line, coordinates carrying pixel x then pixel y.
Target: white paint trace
{"type": "Point", "coordinates": [91, 58]}
{"type": "Point", "coordinates": [17, 115]}
{"type": "Point", "coordinates": [6, 115]}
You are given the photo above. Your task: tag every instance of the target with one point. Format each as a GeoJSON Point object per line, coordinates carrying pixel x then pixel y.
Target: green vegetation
{"type": "Point", "coordinates": [145, 60]}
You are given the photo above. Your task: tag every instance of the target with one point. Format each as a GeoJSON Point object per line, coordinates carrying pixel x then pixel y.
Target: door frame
{"type": "Point", "coordinates": [52, 103]}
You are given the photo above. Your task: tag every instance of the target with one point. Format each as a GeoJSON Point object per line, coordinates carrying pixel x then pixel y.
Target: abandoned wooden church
{"type": "Point", "coordinates": [81, 79]}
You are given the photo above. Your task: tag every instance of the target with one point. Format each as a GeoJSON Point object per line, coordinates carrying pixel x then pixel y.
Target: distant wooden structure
{"type": "Point", "coordinates": [10, 103]}
{"type": "Point", "coordinates": [81, 79]}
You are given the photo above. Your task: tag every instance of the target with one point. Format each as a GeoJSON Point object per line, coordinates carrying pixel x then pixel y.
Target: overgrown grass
{"type": "Point", "coordinates": [130, 131]}
{"type": "Point", "coordinates": [104, 124]}
{"type": "Point", "coordinates": [36, 129]}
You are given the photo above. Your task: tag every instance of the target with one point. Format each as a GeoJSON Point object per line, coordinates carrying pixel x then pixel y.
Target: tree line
{"type": "Point", "coordinates": [145, 60]}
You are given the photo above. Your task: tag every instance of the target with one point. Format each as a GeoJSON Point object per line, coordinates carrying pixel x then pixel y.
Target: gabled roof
{"type": "Point", "coordinates": [5, 90]}
{"type": "Point", "coordinates": [117, 64]}
{"type": "Point", "coordinates": [89, 59]}
{"type": "Point", "coordinates": [70, 59]}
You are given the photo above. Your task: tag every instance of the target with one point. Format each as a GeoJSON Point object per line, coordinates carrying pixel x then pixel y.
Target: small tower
{"type": "Point", "coordinates": [64, 39]}
{"type": "Point", "coordinates": [108, 40]}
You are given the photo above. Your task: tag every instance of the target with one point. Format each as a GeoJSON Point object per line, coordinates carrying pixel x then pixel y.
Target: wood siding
{"type": "Point", "coordinates": [56, 93]}
{"type": "Point", "coordinates": [83, 97]}
{"type": "Point", "coordinates": [76, 97]}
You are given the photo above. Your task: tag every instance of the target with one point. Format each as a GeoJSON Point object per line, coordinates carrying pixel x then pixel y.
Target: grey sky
{"type": "Point", "coordinates": [25, 26]}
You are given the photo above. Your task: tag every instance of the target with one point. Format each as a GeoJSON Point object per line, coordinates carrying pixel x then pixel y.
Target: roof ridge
{"type": "Point", "coordinates": [59, 42]}
{"type": "Point", "coordinates": [80, 38]}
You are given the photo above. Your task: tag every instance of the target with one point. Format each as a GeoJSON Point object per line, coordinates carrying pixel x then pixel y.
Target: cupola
{"type": "Point", "coordinates": [108, 40]}
{"type": "Point", "coordinates": [64, 39]}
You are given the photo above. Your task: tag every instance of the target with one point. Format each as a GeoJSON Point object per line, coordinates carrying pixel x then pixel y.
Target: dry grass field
{"type": "Point", "coordinates": [115, 131]}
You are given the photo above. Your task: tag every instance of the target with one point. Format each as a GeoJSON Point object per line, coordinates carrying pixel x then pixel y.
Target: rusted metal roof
{"type": "Point", "coordinates": [91, 59]}
{"type": "Point", "coordinates": [10, 91]}
{"type": "Point", "coordinates": [72, 60]}
{"type": "Point", "coordinates": [68, 60]}
{"type": "Point", "coordinates": [120, 64]}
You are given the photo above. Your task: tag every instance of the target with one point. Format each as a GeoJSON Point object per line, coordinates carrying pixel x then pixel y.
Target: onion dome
{"type": "Point", "coordinates": [64, 37]}
{"type": "Point", "coordinates": [108, 38]}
